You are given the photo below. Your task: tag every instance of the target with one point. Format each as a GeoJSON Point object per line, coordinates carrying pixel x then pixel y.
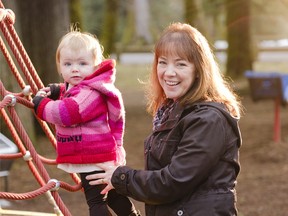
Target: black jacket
{"type": "Point", "coordinates": [191, 164]}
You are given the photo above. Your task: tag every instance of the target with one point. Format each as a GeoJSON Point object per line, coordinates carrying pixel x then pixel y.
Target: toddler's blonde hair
{"type": "Point", "coordinates": [76, 40]}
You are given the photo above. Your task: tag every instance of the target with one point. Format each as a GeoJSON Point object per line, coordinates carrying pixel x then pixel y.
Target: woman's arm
{"type": "Point", "coordinates": [198, 151]}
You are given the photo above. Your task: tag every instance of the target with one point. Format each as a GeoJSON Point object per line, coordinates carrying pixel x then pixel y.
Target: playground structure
{"type": "Point", "coordinates": [270, 86]}
{"type": "Point", "coordinates": [27, 151]}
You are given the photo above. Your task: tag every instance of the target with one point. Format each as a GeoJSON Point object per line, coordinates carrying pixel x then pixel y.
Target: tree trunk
{"type": "Point", "coordinates": [194, 15]}
{"type": "Point", "coordinates": [109, 26]}
{"type": "Point", "coordinates": [191, 12]}
{"type": "Point", "coordinates": [239, 53]}
{"type": "Point", "coordinates": [142, 18]}
{"type": "Point", "coordinates": [42, 24]}
{"type": "Point", "coordinates": [76, 13]}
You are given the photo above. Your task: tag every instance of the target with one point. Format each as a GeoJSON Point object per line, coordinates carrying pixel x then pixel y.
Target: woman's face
{"type": "Point", "coordinates": [176, 75]}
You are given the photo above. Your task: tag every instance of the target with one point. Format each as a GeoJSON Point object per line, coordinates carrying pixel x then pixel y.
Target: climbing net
{"type": "Point", "coordinates": [35, 162]}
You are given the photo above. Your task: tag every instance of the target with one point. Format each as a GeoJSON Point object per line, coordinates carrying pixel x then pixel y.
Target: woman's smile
{"type": "Point", "coordinates": [171, 83]}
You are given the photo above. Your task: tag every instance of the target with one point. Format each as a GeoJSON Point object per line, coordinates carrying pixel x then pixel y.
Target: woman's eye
{"type": "Point", "coordinates": [161, 62]}
{"type": "Point", "coordinates": [181, 64]}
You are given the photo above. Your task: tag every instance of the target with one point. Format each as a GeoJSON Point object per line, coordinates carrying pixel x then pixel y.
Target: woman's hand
{"type": "Point", "coordinates": [103, 178]}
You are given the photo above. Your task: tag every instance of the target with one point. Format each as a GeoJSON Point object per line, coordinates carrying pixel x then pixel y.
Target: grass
{"type": "Point", "coordinates": [129, 77]}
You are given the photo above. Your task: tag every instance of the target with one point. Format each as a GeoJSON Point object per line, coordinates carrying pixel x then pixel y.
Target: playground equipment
{"type": "Point", "coordinates": [267, 86]}
{"type": "Point", "coordinates": [26, 150]}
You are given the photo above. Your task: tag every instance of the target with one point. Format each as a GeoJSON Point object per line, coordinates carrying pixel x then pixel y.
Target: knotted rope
{"type": "Point", "coordinates": [48, 186]}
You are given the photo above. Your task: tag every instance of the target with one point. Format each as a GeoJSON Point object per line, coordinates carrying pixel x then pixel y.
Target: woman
{"type": "Point", "coordinates": [192, 153]}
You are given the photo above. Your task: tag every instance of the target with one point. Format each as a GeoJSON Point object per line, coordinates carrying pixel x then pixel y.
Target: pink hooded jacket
{"type": "Point", "coordinates": [89, 119]}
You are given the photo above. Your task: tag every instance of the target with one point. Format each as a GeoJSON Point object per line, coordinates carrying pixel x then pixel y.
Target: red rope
{"type": "Point", "coordinates": [20, 130]}
{"type": "Point", "coordinates": [18, 57]}
{"type": "Point", "coordinates": [21, 82]}
{"type": "Point", "coordinates": [71, 188]}
{"type": "Point", "coordinates": [20, 137]}
{"type": "Point", "coordinates": [11, 155]}
{"type": "Point", "coordinates": [11, 64]}
{"type": "Point", "coordinates": [50, 186]}
{"type": "Point", "coordinates": [23, 53]}
{"type": "Point", "coordinates": [13, 132]}
{"type": "Point", "coordinates": [28, 195]}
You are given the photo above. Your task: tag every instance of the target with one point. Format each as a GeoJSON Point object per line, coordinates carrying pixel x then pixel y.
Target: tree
{"type": "Point", "coordinates": [213, 18]}
{"type": "Point", "coordinates": [239, 52]}
{"type": "Point", "coordinates": [142, 17]}
{"type": "Point", "coordinates": [43, 23]}
{"type": "Point", "coordinates": [76, 13]}
{"type": "Point", "coordinates": [267, 15]}
{"type": "Point", "coordinates": [191, 12]}
{"type": "Point", "coordinates": [194, 14]}
{"type": "Point", "coordinates": [109, 26]}
{"type": "Point", "coordinates": [93, 16]}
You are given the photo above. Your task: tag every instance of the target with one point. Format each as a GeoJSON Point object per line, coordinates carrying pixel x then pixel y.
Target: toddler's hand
{"type": "Point", "coordinates": [44, 92]}
{"type": "Point", "coordinates": [54, 91]}
{"type": "Point", "coordinates": [41, 93]}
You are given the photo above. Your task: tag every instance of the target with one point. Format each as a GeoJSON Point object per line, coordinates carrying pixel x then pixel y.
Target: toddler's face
{"type": "Point", "coordinates": [76, 65]}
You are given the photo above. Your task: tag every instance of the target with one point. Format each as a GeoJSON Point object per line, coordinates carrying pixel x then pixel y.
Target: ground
{"type": "Point", "coordinates": [262, 184]}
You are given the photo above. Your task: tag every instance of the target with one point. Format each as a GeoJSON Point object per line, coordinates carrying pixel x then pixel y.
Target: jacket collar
{"type": "Point", "coordinates": [173, 118]}
{"type": "Point", "coordinates": [179, 111]}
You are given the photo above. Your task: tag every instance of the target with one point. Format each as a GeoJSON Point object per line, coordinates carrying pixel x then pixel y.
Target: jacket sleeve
{"type": "Point", "coordinates": [199, 149]}
{"type": "Point", "coordinates": [76, 109]}
{"type": "Point", "coordinates": [39, 104]}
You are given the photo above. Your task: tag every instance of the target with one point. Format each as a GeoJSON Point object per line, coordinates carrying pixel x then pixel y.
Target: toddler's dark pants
{"type": "Point", "coordinates": [97, 202]}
